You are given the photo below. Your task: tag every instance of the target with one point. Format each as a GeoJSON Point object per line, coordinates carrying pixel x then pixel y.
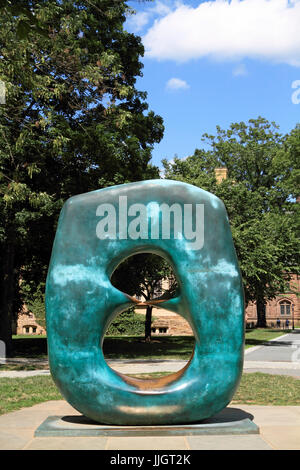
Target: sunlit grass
{"type": "Point", "coordinates": [254, 389]}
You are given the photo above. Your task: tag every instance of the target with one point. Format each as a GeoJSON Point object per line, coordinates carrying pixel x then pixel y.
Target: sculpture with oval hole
{"type": "Point", "coordinates": [187, 226]}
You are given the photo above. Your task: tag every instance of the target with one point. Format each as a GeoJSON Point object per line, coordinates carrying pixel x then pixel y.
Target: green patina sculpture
{"type": "Point", "coordinates": [96, 231]}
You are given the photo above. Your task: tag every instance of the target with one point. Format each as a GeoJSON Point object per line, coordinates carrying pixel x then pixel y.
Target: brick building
{"type": "Point", "coordinates": [167, 323]}
{"type": "Point", "coordinates": [284, 308]}
{"type": "Point", "coordinates": [26, 324]}
{"type": "Point", "coordinates": [283, 311]}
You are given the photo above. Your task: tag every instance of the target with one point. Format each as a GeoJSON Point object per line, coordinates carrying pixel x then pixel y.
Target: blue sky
{"type": "Point", "coordinates": [211, 63]}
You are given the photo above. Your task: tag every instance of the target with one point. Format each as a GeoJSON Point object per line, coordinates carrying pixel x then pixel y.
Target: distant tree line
{"type": "Point", "coordinates": [260, 194]}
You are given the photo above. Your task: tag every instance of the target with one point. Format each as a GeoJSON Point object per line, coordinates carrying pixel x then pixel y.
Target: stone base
{"type": "Point", "coordinates": [80, 426]}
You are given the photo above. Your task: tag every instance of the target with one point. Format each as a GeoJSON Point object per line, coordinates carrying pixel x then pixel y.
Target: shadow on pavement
{"type": "Point", "coordinates": [228, 415]}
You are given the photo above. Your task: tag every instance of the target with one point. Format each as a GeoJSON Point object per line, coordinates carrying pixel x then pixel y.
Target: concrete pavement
{"type": "Point", "coordinates": [125, 366]}
{"type": "Point", "coordinates": [279, 429]}
{"type": "Point", "coordinates": [276, 368]}
{"type": "Point", "coordinates": [279, 425]}
{"type": "Point", "coordinates": [279, 356]}
{"type": "Point", "coordinates": [285, 348]}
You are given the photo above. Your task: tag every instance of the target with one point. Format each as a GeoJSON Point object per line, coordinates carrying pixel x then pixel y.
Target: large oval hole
{"type": "Point", "coordinates": [147, 341]}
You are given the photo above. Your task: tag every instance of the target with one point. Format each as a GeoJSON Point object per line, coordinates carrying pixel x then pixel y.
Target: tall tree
{"type": "Point", "coordinates": [259, 193]}
{"type": "Point", "coordinates": [73, 122]}
{"type": "Point", "coordinates": [142, 275]}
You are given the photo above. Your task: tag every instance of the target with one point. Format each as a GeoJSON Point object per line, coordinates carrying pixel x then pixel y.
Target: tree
{"type": "Point", "coordinates": [259, 194]}
{"type": "Point", "coordinates": [73, 122]}
{"type": "Point", "coordinates": [27, 21]}
{"type": "Point", "coordinates": [142, 275]}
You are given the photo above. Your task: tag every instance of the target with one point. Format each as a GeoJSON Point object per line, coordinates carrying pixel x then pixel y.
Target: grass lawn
{"type": "Point", "coordinates": [256, 337]}
{"type": "Point", "coordinates": [28, 336]}
{"type": "Point", "coordinates": [168, 347]}
{"type": "Point", "coordinates": [19, 366]}
{"type": "Point", "coordinates": [24, 392]}
{"type": "Point", "coordinates": [128, 347]}
{"type": "Point", "coordinates": [266, 389]}
{"type": "Point", "coordinates": [255, 389]}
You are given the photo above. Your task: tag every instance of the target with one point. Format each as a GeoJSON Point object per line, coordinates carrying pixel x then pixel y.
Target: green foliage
{"type": "Point", "coordinates": [35, 301]}
{"type": "Point", "coordinates": [142, 275]}
{"type": "Point", "coordinates": [73, 122]}
{"type": "Point", "coordinates": [27, 22]}
{"type": "Point", "coordinates": [127, 323]}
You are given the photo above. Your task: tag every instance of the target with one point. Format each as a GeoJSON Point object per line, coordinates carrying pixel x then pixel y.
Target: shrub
{"type": "Point", "coordinates": [127, 323]}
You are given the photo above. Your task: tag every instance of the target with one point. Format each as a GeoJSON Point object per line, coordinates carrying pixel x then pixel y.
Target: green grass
{"type": "Point", "coordinates": [255, 389]}
{"type": "Point", "coordinates": [258, 389]}
{"type": "Point", "coordinates": [130, 347]}
{"type": "Point", "coordinates": [259, 336]}
{"type": "Point", "coordinates": [24, 392]}
{"type": "Point", "coordinates": [168, 347]}
{"type": "Point", "coordinates": [172, 347]}
{"type": "Point", "coordinates": [20, 366]}
{"type": "Point", "coordinates": [266, 389]}
{"type": "Point", "coordinates": [28, 336]}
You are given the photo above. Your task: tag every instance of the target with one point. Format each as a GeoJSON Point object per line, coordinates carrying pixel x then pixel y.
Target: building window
{"type": "Point", "coordinates": [162, 330]}
{"type": "Point", "coordinates": [153, 330]}
{"type": "Point", "coordinates": [285, 307]}
{"type": "Point", "coordinates": [28, 329]}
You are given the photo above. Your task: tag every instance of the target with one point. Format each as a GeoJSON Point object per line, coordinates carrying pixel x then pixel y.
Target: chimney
{"type": "Point", "coordinates": [220, 174]}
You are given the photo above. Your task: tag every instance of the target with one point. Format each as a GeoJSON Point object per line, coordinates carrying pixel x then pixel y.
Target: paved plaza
{"type": "Point", "coordinates": [279, 429]}
{"type": "Point", "coordinates": [279, 426]}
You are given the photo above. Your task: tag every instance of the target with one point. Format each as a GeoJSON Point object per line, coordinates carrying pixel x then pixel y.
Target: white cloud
{"type": "Point", "coordinates": [160, 8]}
{"type": "Point", "coordinates": [228, 30]}
{"type": "Point", "coordinates": [177, 84]}
{"type": "Point", "coordinates": [138, 20]}
{"type": "Point", "coordinates": [240, 70]}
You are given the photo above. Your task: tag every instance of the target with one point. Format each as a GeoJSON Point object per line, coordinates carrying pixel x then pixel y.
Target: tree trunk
{"type": "Point", "coordinates": [7, 291]}
{"type": "Point", "coordinates": [148, 321]}
{"type": "Point", "coordinates": [261, 313]}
